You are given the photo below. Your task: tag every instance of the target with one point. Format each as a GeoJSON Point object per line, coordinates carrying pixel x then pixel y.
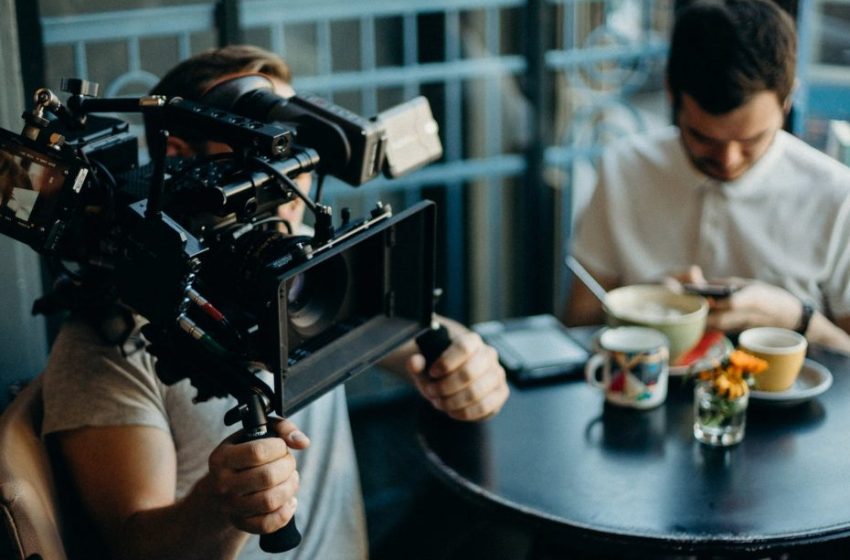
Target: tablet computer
{"type": "Point", "coordinates": [535, 349]}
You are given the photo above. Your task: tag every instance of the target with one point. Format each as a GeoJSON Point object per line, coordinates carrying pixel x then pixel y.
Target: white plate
{"type": "Point", "coordinates": [813, 380]}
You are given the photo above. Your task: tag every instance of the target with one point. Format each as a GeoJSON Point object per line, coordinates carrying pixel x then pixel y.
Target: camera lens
{"type": "Point", "coordinates": [261, 267]}
{"type": "Point", "coordinates": [295, 293]}
{"type": "Point", "coordinates": [315, 297]}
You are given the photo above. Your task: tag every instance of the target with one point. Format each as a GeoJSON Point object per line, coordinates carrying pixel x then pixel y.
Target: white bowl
{"type": "Point", "coordinates": [681, 317]}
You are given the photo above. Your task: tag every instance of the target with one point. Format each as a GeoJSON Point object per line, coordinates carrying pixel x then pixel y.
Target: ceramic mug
{"type": "Point", "coordinates": [783, 350]}
{"type": "Point", "coordinates": [631, 367]}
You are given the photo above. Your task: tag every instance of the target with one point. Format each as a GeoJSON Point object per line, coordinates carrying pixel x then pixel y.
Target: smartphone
{"type": "Point", "coordinates": [716, 291]}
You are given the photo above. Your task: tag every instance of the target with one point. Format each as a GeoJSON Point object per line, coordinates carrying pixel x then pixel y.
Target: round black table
{"type": "Point", "coordinates": [626, 481]}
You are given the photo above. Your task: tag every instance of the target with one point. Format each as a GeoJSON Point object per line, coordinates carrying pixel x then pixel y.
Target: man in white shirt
{"type": "Point", "coordinates": [726, 194]}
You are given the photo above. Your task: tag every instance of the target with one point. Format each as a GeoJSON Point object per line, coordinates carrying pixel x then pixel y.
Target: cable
{"type": "Point", "coordinates": [239, 232]}
{"type": "Point", "coordinates": [287, 182]}
{"type": "Point", "coordinates": [320, 183]}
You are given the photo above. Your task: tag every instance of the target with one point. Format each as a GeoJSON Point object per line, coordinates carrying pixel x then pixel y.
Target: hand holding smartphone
{"type": "Point", "coordinates": [716, 291]}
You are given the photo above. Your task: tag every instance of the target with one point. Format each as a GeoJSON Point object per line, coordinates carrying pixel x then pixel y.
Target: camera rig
{"type": "Point", "coordinates": [194, 245]}
{"type": "Point", "coordinates": [233, 299]}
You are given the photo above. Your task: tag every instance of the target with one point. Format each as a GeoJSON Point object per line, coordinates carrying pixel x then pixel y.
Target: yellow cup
{"type": "Point", "coordinates": [783, 350]}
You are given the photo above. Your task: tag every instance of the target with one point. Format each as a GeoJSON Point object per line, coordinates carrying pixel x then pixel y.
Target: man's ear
{"type": "Point", "coordinates": [178, 147]}
{"type": "Point", "coordinates": [789, 101]}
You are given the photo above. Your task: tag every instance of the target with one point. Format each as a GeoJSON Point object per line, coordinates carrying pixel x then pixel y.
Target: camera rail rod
{"type": "Point", "coordinates": [177, 113]}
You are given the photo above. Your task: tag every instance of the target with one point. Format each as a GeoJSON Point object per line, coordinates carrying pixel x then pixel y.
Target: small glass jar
{"type": "Point", "coordinates": [718, 420]}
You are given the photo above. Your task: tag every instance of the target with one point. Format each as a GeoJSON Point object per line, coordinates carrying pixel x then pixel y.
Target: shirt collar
{"type": "Point", "coordinates": [749, 184]}
{"type": "Point", "coordinates": [689, 175]}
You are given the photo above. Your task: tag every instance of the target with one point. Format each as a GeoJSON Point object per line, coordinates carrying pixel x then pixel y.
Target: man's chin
{"type": "Point", "coordinates": [721, 174]}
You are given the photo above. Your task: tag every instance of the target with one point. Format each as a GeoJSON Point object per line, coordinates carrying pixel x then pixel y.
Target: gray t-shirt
{"type": "Point", "coordinates": [91, 383]}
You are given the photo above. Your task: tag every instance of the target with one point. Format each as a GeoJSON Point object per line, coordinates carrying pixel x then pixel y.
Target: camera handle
{"type": "Point", "coordinates": [255, 426]}
{"type": "Point", "coordinates": [433, 342]}
{"type": "Point", "coordinates": [228, 378]}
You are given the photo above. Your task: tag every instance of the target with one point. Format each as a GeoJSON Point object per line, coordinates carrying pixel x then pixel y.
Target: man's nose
{"type": "Point", "coordinates": [730, 155]}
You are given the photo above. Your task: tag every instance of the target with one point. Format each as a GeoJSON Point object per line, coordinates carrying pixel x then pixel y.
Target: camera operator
{"type": "Point", "coordinates": [158, 473]}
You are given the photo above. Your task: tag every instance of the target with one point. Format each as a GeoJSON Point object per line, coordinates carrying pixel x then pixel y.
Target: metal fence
{"type": "Point", "coordinates": [525, 92]}
{"type": "Point", "coordinates": [608, 69]}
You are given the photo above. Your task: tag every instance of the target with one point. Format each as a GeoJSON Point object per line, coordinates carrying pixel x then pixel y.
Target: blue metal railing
{"type": "Point", "coordinates": [469, 70]}
{"type": "Point", "coordinates": [452, 70]}
{"type": "Point", "coordinates": [606, 53]}
{"type": "Point", "coordinates": [607, 64]}
{"type": "Point", "coordinates": [81, 32]}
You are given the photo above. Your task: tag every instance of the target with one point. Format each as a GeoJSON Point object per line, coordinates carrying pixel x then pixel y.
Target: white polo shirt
{"type": "Point", "coordinates": [785, 222]}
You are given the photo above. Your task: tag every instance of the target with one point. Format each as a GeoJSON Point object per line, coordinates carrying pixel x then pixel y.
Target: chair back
{"type": "Point", "coordinates": [29, 504]}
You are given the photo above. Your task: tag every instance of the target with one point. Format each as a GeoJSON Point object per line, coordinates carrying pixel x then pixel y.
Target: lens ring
{"type": "Point", "coordinates": [315, 297]}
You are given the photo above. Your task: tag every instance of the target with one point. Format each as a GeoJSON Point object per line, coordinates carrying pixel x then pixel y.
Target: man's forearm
{"type": "Point", "coordinates": [826, 333]}
{"type": "Point", "coordinates": [191, 528]}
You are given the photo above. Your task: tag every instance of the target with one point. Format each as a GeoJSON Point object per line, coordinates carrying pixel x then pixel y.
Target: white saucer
{"type": "Point", "coordinates": [813, 380]}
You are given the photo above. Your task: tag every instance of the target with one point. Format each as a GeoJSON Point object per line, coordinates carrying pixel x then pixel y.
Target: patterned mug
{"type": "Point", "coordinates": [631, 366]}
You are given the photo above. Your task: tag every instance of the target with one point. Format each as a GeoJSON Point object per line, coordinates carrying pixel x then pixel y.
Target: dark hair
{"type": "Point", "coordinates": [192, 77]}
{"type": "Point", "coordinates": [723, 52]}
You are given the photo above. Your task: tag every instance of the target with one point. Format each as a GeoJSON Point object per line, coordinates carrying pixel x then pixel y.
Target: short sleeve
{"type": "Point", "coordinates": [593, 240]}
{"type": "Point", "coordinates": [89, 382]}
{"type": "Point", "coordinates": [837, 284]}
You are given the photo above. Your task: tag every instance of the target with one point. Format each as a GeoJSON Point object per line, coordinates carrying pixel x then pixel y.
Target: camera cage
{"type": "Point", "coordinates": [159, 264]}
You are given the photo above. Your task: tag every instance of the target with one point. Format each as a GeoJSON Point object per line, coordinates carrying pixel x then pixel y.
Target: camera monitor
{"type": "Point", "coordinates": [38, 190]}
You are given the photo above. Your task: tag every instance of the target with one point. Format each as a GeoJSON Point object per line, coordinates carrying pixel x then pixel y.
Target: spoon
{"type": "Point", "coordinates": [586, 278]}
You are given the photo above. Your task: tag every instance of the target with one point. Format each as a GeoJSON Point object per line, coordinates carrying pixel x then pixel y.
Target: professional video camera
{"type": "Point", "coordinates": [195, 247]}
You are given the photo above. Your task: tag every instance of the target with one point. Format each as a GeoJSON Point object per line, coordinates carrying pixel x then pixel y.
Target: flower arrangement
{"type": "Point", "coordinates": [732, 377]}
{"type": "Point", "coordinates": [721, 397]}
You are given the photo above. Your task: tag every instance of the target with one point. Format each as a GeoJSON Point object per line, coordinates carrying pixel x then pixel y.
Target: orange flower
{"type": "Point", "coordinates": [747, 362]}
{"type": "Point", "coordinates": [731, 378]}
